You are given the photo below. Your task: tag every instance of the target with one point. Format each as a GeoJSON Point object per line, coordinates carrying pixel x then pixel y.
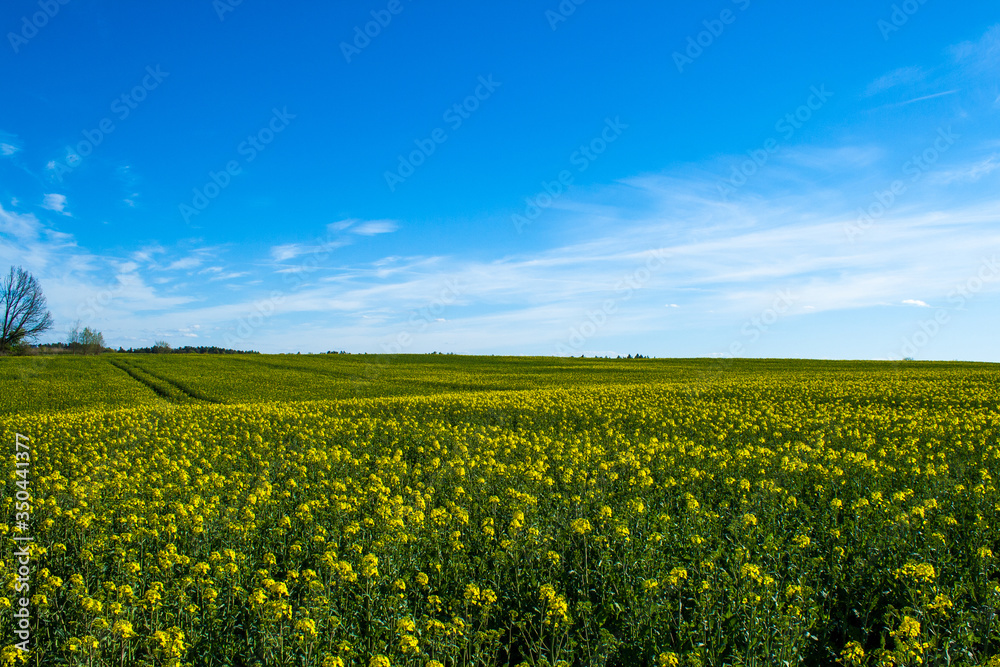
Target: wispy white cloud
{"type": "Point", "coordinates": [903, 76]}
{"type": "Point", "coordinates": [55, 202]}
{"type": "Point", "coordinates": [185, 263]}
{"type": "Point", "coordinates": [929, 97]}
{"type": "Point", "coordinates": [916, 302]}
{"type": "Point", "coordinates": [288, 251]}
{"type": "Point", "coordinates": [232, 275]}
{"type": "Point", "coordinates": [341, 225]}
{"type": "Point", "coordinates": [337, 237]}
{"type": "Point", "coordinates": [9, 144]}
{"type": "Point", "coordinates": [971, 172]}
{"type": "Point", "coordinates": [22, 227]}
{"type": "Point", "coordinates": [981, 53]}
{"type": "Point", "coordinates": [373, 227]}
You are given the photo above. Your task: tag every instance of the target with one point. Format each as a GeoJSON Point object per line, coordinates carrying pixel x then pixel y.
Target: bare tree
{"type": "Point", "coordinates": [23, 306]}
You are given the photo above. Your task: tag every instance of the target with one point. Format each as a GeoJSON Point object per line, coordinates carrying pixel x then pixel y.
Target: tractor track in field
{"type": "Point", "coordinates": [173, 391]}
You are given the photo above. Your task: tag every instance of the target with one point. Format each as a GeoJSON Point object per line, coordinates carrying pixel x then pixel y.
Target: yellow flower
{"type": "Point", "coordinates": [919, 572]}
{"type": "Point", "coordinates": [909, 628]}
{"type": "Point", "coordinates": [676, 575]}
{"type": "Point", "coordinates": [379, 661]}
{"type": "Point", "coordinates": [692, 503]}
{"type": "Point", "coordinates": [408, 644]}
{"type": "Point", "coordinates": [941, 605]}
{"type": "Point", "coordinates": [278, 588]}
{"type": "Point", "coordinates": [369, 567]}
{"type": "Point", "coordinates": [11, 656]}
{"type": "Point", "coordinates": [306, 627]}
{"type": "Point", "coordinates": [123, 629]}
{"type": "Point", "coordinates": [853, 654]}
{"type": "Point", "coordinates": [667, 660]}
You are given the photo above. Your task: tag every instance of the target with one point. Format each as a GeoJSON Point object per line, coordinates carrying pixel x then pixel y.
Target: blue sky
{"type": "Point", "coordinates": [728, 178]}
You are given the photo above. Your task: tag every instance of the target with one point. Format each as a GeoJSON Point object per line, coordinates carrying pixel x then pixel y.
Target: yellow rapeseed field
{"type": "Point", "coordinates": [845, 518]}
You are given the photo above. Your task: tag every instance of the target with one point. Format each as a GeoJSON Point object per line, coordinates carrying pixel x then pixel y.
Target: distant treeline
{"type": "Point", "coordinates": [187, 349]}
{"type": "Point", "coordinates": [77, 348]}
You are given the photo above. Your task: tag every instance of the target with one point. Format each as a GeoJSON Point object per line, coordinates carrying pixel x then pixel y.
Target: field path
{"type": "Point", "coordinates": [169, 389]}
